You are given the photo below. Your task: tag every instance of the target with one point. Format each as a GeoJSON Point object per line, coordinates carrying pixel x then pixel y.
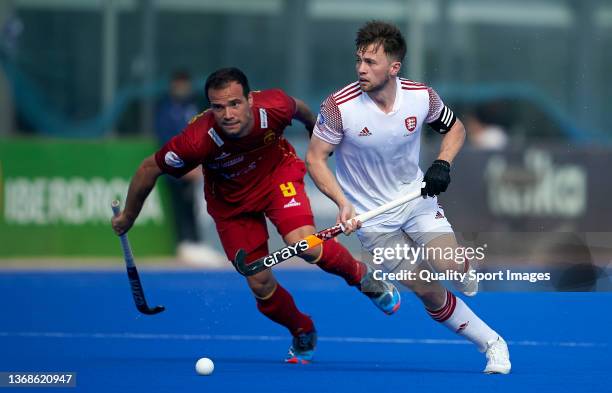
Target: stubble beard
{"type": "Point", "coordinates": [379, 87]}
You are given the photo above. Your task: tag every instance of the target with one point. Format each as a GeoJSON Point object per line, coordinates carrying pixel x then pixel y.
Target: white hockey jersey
{"type": "Point", "coordinates": [377, 153]}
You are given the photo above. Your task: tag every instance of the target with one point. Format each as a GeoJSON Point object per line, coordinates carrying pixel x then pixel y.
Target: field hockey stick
{"type": "Point", "coordinates": [311, 241]}
{"type": "Point", "coordinates": [134, 278]}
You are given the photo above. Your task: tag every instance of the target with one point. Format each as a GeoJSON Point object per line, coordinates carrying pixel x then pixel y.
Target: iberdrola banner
{"type": "Point", "coordinates": [55, 199]}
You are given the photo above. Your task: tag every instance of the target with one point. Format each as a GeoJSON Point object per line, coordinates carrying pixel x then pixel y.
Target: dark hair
{"type": "Point", "coordinates": [378, 32]}
{"type": "Point", "coordinates": [222, 77]}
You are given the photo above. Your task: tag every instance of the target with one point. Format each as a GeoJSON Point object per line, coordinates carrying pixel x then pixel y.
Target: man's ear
{"type": "Point", "coordinates": [250, 98]}
{"type": "Point", "coordinates": [395, 68]}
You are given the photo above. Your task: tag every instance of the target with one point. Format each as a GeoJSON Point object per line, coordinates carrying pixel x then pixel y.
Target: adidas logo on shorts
{"type": "Point", "coordinates": [292, 203]}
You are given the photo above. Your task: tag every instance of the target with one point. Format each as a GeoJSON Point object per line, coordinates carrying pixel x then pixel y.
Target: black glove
{"type": "Point", "coordinates": [437, 178]}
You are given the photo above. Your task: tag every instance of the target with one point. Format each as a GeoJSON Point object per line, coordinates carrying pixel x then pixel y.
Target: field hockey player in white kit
{"type": "Point", "coordinates": [374, 128]}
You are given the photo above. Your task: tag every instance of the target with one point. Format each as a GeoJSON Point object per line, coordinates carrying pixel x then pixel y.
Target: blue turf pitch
{"type": "Point", "coordinates": [86, 322]}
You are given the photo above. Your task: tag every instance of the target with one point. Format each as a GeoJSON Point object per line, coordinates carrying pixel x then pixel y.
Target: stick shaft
{"type": "Point", "coordinates": [388, 206]}
{"type": "Point", "coordinates": [311, 241]}
{"type": "Point", "coordinates": [132, 272]}
{"type": "Point", "coordinates": [125, 244]}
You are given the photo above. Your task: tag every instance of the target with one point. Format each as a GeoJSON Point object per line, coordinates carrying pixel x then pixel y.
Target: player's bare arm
{"type": "Point", "coordinates": [304, 115]}
{"type": "Point", "coordinates": [140, 186]}
{"type": "Point", "coordinates": [437, 177]}
{"type": "Point", "coordinates": [316, 162]}
{"type": "Point", "coordinates": [452, 142]}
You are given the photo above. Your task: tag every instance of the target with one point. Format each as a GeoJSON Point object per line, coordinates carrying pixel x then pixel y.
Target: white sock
{"type": "Point", "coordinates": [459, 318]}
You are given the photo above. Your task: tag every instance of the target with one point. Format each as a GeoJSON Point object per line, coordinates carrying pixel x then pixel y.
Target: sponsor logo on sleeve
{"type": "Point", "coordinates": [263, 118]}
{"type": "Point", "coordinates": [173, 160]}
{"type": "Point", "coordinates": [215, 137]}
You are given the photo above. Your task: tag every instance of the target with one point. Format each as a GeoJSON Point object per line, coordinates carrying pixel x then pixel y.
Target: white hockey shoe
{"type": "Point", "coordinates": [498, 357]}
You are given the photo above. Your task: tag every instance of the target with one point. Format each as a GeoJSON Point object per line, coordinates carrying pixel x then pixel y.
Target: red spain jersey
{"type": "Point", "coordinates": [236, 171]}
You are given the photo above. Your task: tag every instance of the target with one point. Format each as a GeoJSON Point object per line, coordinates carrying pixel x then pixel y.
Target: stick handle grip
{"type": "Point", "coordinates": [125, 244]}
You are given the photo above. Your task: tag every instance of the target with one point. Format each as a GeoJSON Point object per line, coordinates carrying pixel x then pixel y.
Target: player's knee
{"type": "Point", "coordinates": [299, 234]}
{"type": "Point", "coordinates": [262, 284]}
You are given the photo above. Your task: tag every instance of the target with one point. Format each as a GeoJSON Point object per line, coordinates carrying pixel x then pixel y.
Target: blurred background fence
{"type": "Point", "coordinates": [530, 78]}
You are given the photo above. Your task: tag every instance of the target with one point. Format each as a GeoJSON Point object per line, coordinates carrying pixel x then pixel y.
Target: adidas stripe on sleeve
{"type": "Point", "coordinates": [440, 117]}
{"type": "Point", "coordinates": [329, 122]}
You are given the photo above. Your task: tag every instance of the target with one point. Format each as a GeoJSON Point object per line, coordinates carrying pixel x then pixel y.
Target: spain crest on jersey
{"type": "Point", "coordinates": [411, 123]}
{"type": "Point", "coordinates": [269, 137]}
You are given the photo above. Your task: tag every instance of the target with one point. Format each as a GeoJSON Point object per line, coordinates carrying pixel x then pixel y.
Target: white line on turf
{"type": "Point", "coordinates": [219, 337]}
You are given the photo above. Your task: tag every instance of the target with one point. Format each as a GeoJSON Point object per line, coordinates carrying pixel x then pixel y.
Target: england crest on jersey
{"type": "Point", "coordinates": [411, 123]}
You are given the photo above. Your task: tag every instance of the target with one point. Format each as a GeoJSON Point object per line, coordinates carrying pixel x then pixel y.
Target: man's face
{"type": "Point", "coordinates": [374, 68]}
{"type": "Point", "coordinates": [232, 110]}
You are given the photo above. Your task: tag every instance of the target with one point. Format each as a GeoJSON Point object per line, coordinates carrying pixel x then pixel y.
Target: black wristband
{"type": "Point", "coordinates": [445, 164]}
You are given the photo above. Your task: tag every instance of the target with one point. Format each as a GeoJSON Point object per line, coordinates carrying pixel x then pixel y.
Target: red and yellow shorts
{"type": "Point", "coordinates": [286, 206]}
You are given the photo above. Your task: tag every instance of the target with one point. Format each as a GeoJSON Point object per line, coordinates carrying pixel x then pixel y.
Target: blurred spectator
{"type": "Point", "coordinates": [10, 30]}
{"type": "Point", "coordinates": [484, 130]}
{"type": "Point", "coordinates": [176, 108]}
{"type": "Point", "coordinates": [173, 112]}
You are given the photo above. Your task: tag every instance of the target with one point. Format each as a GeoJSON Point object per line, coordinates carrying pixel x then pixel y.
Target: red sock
{"type": "Point", "coordinates": [445, 312]}
{"type": "Point", "coordinates": [281, 308]}
{"type": "Point", "coordinates": [337, 260]}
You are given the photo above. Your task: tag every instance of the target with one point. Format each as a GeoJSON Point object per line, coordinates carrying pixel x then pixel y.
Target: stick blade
{"type": "Point", "coordinates": [151, 311]}
{"type": "Point", "coordinates": [241, 267]}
